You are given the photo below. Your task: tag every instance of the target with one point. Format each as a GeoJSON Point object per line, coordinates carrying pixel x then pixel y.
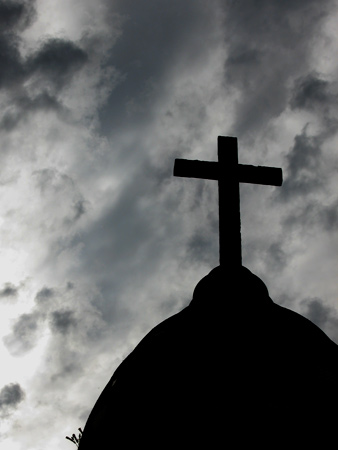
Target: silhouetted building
{"type": "Point", "coordinates": [231, 370]}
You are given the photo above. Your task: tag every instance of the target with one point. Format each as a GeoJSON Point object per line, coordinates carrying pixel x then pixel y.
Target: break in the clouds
{"type": "Point", "coordinates": [97, 100]}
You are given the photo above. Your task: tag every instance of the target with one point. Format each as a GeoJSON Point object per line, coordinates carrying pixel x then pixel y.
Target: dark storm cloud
{"type": "Point", "coordinates": [9, 291]}
{"type": "Point", "coordinates": [322, 315]}
{"type": "Point", "coordinates": [16, 14]}
{"type": "Point", "coordinates": [307, 166]}
{"type": "Point", "coordinates": [56, 61]}
{"type": "Point", "coordinates": [328, 216]}
{"type": "Point", "coordinates": [199, 245]}
{"type": "Point", "coordinates": [11, 69]}
{"type": "Point", "coordinates": [307, 173]}
{"type": "Point", "coordinates": [268, 45]}
{"type": "Point", "coordinates": [315, 94]}
{"type": "Point", "coordinates": [23, 105]}
{"type": "Point", "coordinates": [62, 321]}
{"type": "Point", "coordinates": [314, 214]}
{"type": "Point", "coordinates": [154, 36]}
{"type": "Point", "coordinates": [10, 397]}
{"type": "Point", "coordinates": [70, 286]}
{"type": "Point", "coordinates": [79, 209]}
{"type": "Point", "coordinates": [33, 83]}
{"type": "Point", "coordinates": [276, 258]}
{"type": "Point", "coordinates": [44, 295]}
{"type": "Point", "coordinates": [303, 167]}
{"type": "Point", "coordinates": [311, 92]}
{"type": "Point", "coordinates": [25, 334]}
{"type": "Point", "coordinates": [14, 17]}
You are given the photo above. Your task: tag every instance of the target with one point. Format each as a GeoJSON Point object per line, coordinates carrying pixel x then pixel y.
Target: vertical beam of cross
{"type": "Point", "coordinates": [229, 174]}
{"type": "Point", "coordinates": [230, 246]}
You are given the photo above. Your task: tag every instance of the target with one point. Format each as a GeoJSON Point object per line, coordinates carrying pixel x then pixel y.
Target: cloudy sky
{"type": "Point", "coordinates": [99, 242]}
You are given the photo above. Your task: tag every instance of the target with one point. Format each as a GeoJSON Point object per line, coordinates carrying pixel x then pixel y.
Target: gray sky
{"type": "Point", "coordinates": [99, 242]}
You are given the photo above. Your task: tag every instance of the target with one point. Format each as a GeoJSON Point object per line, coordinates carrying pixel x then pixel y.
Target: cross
{"type": "Point", "coordinates": [229, 174]}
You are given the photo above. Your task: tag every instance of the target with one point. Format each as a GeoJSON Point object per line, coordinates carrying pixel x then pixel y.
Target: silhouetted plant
{"type": "Point", "coordinates": [74, 439]}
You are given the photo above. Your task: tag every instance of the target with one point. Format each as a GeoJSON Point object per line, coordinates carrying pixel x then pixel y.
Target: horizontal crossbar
{"type": "Point", "coordinates": [209, 170]}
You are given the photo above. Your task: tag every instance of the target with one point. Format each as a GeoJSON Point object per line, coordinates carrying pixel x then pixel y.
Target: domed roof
{"type": "Point", "coordinates": [233, 365]}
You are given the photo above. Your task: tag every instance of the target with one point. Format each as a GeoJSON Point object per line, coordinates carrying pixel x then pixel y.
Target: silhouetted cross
{"type": "Point", "coordinates": [229, 174]}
